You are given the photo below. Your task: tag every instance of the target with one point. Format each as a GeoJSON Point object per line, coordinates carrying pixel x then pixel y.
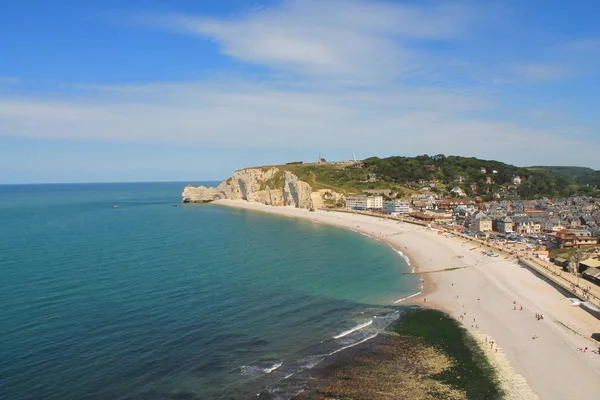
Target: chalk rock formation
{"type": "Point", "coordinates": [268, 185]}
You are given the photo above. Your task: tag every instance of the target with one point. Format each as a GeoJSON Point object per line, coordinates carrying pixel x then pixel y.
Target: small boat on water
{"type": "Point", "coordinates": [116, 206]}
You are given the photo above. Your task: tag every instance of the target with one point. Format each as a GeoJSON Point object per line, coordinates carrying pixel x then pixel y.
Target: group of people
{"type": "Point", "coordinates": [515, 306]}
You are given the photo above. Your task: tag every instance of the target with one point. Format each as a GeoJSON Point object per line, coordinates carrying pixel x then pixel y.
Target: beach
{"type": "Point", "coordinates": [494, 298]}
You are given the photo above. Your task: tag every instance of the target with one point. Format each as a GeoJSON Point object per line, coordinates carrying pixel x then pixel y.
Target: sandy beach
{"type": "Point", "coordinates": [494, 298]}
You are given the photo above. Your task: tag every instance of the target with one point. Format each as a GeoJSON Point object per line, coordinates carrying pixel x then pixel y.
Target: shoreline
{"type": "Point", "coordinates": [502, 297]}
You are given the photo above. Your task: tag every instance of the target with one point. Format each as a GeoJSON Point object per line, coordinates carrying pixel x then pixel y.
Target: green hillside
{"type": "Point", "coordinates": [565, 172]}
{"type": "Point", "coordinates": [487, 179]}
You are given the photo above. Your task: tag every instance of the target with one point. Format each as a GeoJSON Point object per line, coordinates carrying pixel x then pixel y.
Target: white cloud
{"type": "Point", "coordinates": [335, 83]}
{"type": "Point", "coordinates": [411, 121]}
{"type": "Point", "coordinates": [342, 38]}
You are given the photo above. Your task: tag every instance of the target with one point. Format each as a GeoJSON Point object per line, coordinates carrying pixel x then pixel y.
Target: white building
{"type": "Point", "coordinates": [364, 203]}
{"type": "Point", "coordinates": [396, 207]}
{"type": "Point", "coordinates": [375, 202]}
{"type": "Point", "coordinates": [356, 203]}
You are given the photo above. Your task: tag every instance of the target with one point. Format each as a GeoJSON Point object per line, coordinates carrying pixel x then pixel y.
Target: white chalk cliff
{"type": "Point", "coordinates": [267, 185]}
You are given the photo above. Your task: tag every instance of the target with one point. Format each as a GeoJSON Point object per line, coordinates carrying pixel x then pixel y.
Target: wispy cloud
{"type": "Point", "coordinates": [259, 115]}
{"type": "Point", "coordinates": [584, 45]}
{"type": "Point", "coordinates": [355, 74]}
{"type": "Point", "coordinates": [541, 72]}
{"type": "Point", "coordinates": [9, 80]}
{"type": "Point", "coordinates": [342, 38]}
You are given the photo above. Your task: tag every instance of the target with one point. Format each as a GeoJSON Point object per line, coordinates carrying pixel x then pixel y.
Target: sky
{"type": "Point", "coordinates": [168, 90]}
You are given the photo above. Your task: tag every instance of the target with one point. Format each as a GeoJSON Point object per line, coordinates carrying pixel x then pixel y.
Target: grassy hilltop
{"type": "Point", "coordinates": [487, 179]}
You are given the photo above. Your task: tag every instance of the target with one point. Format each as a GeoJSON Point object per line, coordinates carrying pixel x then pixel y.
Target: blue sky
{"type": "Point", "coordinates": [192, 90]}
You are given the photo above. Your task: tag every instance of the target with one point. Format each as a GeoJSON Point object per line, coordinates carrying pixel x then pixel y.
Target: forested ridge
{"type": "Point", "coordinates": [486, 178]}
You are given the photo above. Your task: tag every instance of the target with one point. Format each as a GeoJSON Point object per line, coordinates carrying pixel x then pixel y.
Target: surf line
{"type": "Point", "coordinates": [353, 329]}
{"type": "Point", "coordinates": [407, 297]}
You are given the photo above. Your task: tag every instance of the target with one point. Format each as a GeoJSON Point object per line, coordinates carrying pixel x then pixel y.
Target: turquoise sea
{"type": "Point", "coordinates": [156, 300]}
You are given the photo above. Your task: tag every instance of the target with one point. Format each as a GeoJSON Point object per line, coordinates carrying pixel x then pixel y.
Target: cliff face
{"type": "Point", "coordinates": [267, 185]}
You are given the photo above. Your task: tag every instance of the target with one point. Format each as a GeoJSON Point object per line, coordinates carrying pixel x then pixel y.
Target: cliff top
{"type": "Point", "coordinates": [451, 176]}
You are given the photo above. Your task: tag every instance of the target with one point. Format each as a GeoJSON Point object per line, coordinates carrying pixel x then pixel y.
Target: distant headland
{"type": "Point", "coordinates": [324, 184]}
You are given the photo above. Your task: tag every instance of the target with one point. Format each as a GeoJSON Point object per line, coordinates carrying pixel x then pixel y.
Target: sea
{"type": "Point", "coordinates": [118, 291]}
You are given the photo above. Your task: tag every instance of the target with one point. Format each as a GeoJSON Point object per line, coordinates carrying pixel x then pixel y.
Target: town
{"type": "Point", "coordinates": [553, 229]}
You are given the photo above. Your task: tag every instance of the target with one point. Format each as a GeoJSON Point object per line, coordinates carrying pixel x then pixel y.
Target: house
{"type": "Point", "coordinates": [543, 255]}
{"type": "Point", "coordinates": [571, 238]}
{"type": "Point", "coordinates": [526, 226]}
{"type": "Point", "coordinates": [553, 225]}
{"type": "Point", "coordinates": [458, 191]}
{"type": "Point", "coordinates": [503, 225]}
{"type": "Point", "coordinates": [573, 222]}
{"type": "Point", "coordinates": [479, 222]}
{"type": "Point", "coordinates": [372, 177]}
{"type": "Point", "coordinates": [451, 204]}
{"type": "Point", "coordinates": [532, 212]}
{"type": "Point", "coordinates": [516, 180]}
{"type": "Point", "coordinates": [587, 220]}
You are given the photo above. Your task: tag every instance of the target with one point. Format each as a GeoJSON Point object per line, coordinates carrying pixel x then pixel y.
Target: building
{"type": "Point", "coordinates": [479, 222]}
{"type": "Point", "coordinates": [543, 255]}
{"type": "Point", "coordinates": [375, 203]}
{"type": "Point", "coordinates": [364, 203]}
{"type": "Point", "coordinates": [356, 203]}
{"type": "Point", "coordinates": [569, 238]}
{"type": "Point", "coordinates": [457, 190]}
{"type": "Point", "coordinates": [526, 226]}
{"type": "Point", "coordinates": [451, 204]}
{"type": "Point", "coordinates": [396, 207]}
{"type": "Point", "coordinates": [503, 225]}
{"type": "Point", "coordinates": [589, 263]}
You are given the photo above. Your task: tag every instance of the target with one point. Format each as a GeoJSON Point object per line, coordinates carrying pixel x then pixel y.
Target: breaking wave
{"type": "Point", "coordinates": [353, 329]}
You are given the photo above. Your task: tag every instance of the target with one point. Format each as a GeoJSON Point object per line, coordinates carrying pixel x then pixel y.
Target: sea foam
{"type": "Point", "coordinates": [353, 329]}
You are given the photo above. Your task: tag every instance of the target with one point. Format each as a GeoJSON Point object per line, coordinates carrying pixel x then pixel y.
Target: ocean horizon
{"type": "Point", "coordinates": [118, 291]}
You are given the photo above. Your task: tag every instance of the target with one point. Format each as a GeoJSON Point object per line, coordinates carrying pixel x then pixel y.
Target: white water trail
{"type": "Point", "coordinates": [353, 329]}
